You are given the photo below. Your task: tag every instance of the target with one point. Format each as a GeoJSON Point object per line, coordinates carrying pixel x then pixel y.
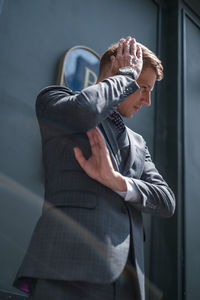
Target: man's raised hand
{"type": "Point", "coordinates": [129, 54]}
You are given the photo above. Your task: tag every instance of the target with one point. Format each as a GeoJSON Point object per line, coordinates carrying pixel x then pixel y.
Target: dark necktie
{"type": "Point", "coordinates": [117, 121]}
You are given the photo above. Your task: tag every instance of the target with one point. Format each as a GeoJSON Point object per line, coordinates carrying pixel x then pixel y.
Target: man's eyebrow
{"type": "Point", "coordinates": [147, 85]}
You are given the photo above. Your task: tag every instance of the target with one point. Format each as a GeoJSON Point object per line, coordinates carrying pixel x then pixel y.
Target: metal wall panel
{"type": "Point", "coordinates": [192, 161]}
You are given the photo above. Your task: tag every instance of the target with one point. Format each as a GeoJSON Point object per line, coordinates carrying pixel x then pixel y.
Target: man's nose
{"type": "Point", "coordinates": [146, 99]}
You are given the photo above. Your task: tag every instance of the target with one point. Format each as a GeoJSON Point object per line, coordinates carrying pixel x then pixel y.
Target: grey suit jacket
{"type": "Point", "coordinates": [84, 231]}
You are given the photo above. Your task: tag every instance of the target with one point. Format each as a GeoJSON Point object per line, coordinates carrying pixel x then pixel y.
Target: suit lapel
{"type": "Point", "coordinates": [136, 157]}
{"type": "Point", "coordinates": [131, 153]}
{"type": "Point", "coordinates": [111, 143]}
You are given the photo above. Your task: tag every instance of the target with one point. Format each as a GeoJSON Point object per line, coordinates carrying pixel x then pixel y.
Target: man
{"type": "Point", "coordinates": [99, 178]}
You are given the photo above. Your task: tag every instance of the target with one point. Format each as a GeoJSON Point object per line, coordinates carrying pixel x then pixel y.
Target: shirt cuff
{"type": "Point", "coordinates": [132, 193]}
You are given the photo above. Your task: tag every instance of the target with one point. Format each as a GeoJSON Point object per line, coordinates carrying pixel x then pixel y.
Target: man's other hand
{"type": "Point", "coordinates": [99, 165]}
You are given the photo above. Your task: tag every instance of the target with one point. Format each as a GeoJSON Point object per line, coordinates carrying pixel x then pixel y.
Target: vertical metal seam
{"type": "Point", "coordinates": [181, 163]}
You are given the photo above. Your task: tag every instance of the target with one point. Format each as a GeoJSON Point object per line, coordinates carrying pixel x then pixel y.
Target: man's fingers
{"type": "Point", "coordinates": [133, 47]}
{"type": "Point", "coordinates": [90, 134]}
{"type": "Point", "coordinates": [79, 157]}
{"type": "Point", "coordinates": [99, 140]}
{"type": "Point", "coordinates": [94, 142]}
{"type": "Point", "coordinates": [94, 132]}
{"type": "Point", "coordinates": [127, 46]}
{"type": "Point", "coordinates": [139, 52]}
{"type": "Point", "coordinates": [120, 47]}
{"type": "Point", "coordinates": [128, 39]}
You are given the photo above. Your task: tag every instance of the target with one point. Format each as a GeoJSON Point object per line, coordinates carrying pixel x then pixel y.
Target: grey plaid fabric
{"type": "Point", "coordinates": [117, 121]}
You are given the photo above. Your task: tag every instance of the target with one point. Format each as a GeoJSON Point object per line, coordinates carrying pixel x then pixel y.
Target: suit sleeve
{"type": "Point", "coordinates": [154, 195]}
{"type": "Point", "coordinates": [85, 110]}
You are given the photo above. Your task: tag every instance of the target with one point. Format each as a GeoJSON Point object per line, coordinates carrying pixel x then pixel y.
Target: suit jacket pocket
{"type": "Point", "coordinates": [78, 199]}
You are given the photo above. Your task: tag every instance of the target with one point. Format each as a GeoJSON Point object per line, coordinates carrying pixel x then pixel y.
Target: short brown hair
{"type": "Point", "coordinates": [149, 59]}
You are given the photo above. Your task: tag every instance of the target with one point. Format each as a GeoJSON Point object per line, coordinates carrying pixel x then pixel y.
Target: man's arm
{"type": "Point", "coordinates": [154, 195]}
{"type": "Point", "coordinates": [85, 110]}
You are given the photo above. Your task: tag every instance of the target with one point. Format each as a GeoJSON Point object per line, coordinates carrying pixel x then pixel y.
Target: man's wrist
{"type": "Point", "coordinates": [128, 71]}
{"type": "Point", "coordinates": [119, 183]}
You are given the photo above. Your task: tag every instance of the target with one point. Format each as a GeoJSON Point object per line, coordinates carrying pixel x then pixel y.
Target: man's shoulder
{"type": "Point", "coordinates": [51, 93]}
{"type": "Point", "coordinates": [138, 141]}
{"type": "Point", "coordinates": [138, 137]}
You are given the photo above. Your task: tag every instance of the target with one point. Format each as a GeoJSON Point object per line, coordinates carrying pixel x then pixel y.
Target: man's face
{"type": "Point", "coordinates": [142, 96]}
